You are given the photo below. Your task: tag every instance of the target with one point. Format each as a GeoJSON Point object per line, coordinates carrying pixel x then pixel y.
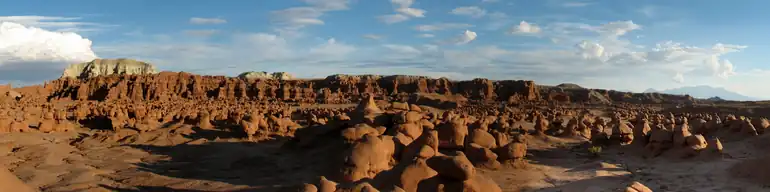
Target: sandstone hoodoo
{"type": "Point", "coordinates": [114, 128]}
{"type": "Point", "coordinates": [102, 67]}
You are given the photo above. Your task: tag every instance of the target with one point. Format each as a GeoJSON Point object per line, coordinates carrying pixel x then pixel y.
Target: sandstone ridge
{"type": "Point", "coordinates": [251, 75]}
{"type": "Point", "coordinates": [332, 89]}
{"type": "Point", "coordinates": [101, 67]}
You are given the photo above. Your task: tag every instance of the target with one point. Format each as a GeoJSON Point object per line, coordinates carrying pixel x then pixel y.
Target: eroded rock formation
{"type": "Point", "coordinates": [101, 67]}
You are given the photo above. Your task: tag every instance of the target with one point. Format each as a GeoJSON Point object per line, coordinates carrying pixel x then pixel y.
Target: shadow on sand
{"type": "Point", "coordinates": [260, 166]}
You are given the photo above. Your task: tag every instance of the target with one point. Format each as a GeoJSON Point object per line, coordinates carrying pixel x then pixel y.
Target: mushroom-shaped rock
{"type": "Point", "coordinates": [482, 138]}
{"type": "Point", "coordinates": [324, 185]}
{"type": "Point", "coordinates": [452, 134]}
{"type": "Point", "coordinates": [358, 131]}
{"type": "Point", "coordinates": [456, 167]}
{"type": "Point", "coordinates": [480, 156]}
{"type": "Point", "coordinates": [366, 158]}
{"type": "Point", "coordinates": [48, 124]}
{"type": "Point", "coordinates": [637, 187]}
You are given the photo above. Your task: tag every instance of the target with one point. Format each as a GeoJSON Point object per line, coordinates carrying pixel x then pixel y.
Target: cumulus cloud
{"type": "Point", "coordinates": [678, 77]}
{"type": "Point", "coordinates": [525, 28]}
{"type": "Point", "coordinates": [404, 11]}
{"type": "Point", "coordinates": [31, 53]}
{"type": "Point", "coordinates": [590, 50]}
{"type": "Point", "coordinates": [203, 21]}
{"type": "Point", "coordinates": [471, 11]}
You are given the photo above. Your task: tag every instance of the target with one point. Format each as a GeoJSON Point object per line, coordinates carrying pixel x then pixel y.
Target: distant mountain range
{"type": "Point", "coordinates": [705, 92]}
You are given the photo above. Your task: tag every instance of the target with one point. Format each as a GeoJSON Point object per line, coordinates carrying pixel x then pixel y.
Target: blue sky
{"type": "Point", "coordinates": [629, 45]}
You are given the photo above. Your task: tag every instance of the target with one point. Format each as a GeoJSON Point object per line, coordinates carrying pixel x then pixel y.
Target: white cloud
{"type": "Point", "coordinates": [332, 49]}
{"type": "Point", "coordinates": [402, 49]}
{"type": "Point", "coordinates": [678, 77]}
{"type": "Point", "coordinates": [329, 5]}
{"type": "Point", "coordinates": [394, 18]}
{"type": "Point", "coordinates": [525, 28]}
{"type": "Point", "coordinates": [58, 24]}
{"type": "Point", "coordinates": [27, 50]}
{"type": "Point", "coordinates": [464, 38]}
{"type": "Point", "coordinates": [441, 26]}
{"type": "Point", "coordinates": [402, 3]}
{"type": "Point", "coordinates": [412, 12]}
{"type": "Point", "coordinates": [290, 20]}
{"type": "Point", "coordinates": [590, 50]}
{"type": "Point", "coordinates": [404, 12]}
{"type": "Point", "coordinates": [202, 21]}
{"type": "Point", "coordinates": [426, 35]}
{"type": "Point", "coordinates": [471, 11]}
{"type": "Point", "coordinates": [297, 17]}
{"type": "Point", "coordinates": [373, 36]}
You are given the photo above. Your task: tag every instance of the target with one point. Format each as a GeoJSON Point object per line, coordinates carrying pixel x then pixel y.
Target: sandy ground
{"type": "Point", "coordinates": [189, 159]}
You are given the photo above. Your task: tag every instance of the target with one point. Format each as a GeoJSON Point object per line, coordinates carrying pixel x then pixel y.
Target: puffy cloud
{"type": "Point", "coordinates": [201, 21]}
{"type": "Point", "coordinates": [679, 78]}
{"type": "Point", "coordinates": [33, 54]}
{"type": "Point", "coordinates": [590, 50]}
{"type": "Point", "coordinates": [525, 28]}
{"type": "Point", "coordinates": [462, 39]}
{"type": "Point", "coordinates": [471, 11]}
{"type": "Point", "coordinates": [721, 68]}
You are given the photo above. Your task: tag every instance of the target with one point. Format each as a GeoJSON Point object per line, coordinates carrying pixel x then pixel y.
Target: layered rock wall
{"type": "Point", "coordinates": [101, 67]}
{"type": "Point", "coordinates": [333, 89]}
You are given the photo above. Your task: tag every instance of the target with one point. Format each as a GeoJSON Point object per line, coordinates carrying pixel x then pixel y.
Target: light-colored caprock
{"type": "Point", "coordinates": [9, 182]}
{"type": "Point", "coordinates": [99, 67]}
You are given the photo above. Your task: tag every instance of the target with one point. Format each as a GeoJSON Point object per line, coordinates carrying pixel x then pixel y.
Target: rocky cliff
{"type": "Point", "coordinates": [576, 93]}
{"type": "Point", "coordinates": [251, 75]}
{"type": "Point", "coordinates": [332, 89]}
{"type": "Point", "coordinates": [101, 67]}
